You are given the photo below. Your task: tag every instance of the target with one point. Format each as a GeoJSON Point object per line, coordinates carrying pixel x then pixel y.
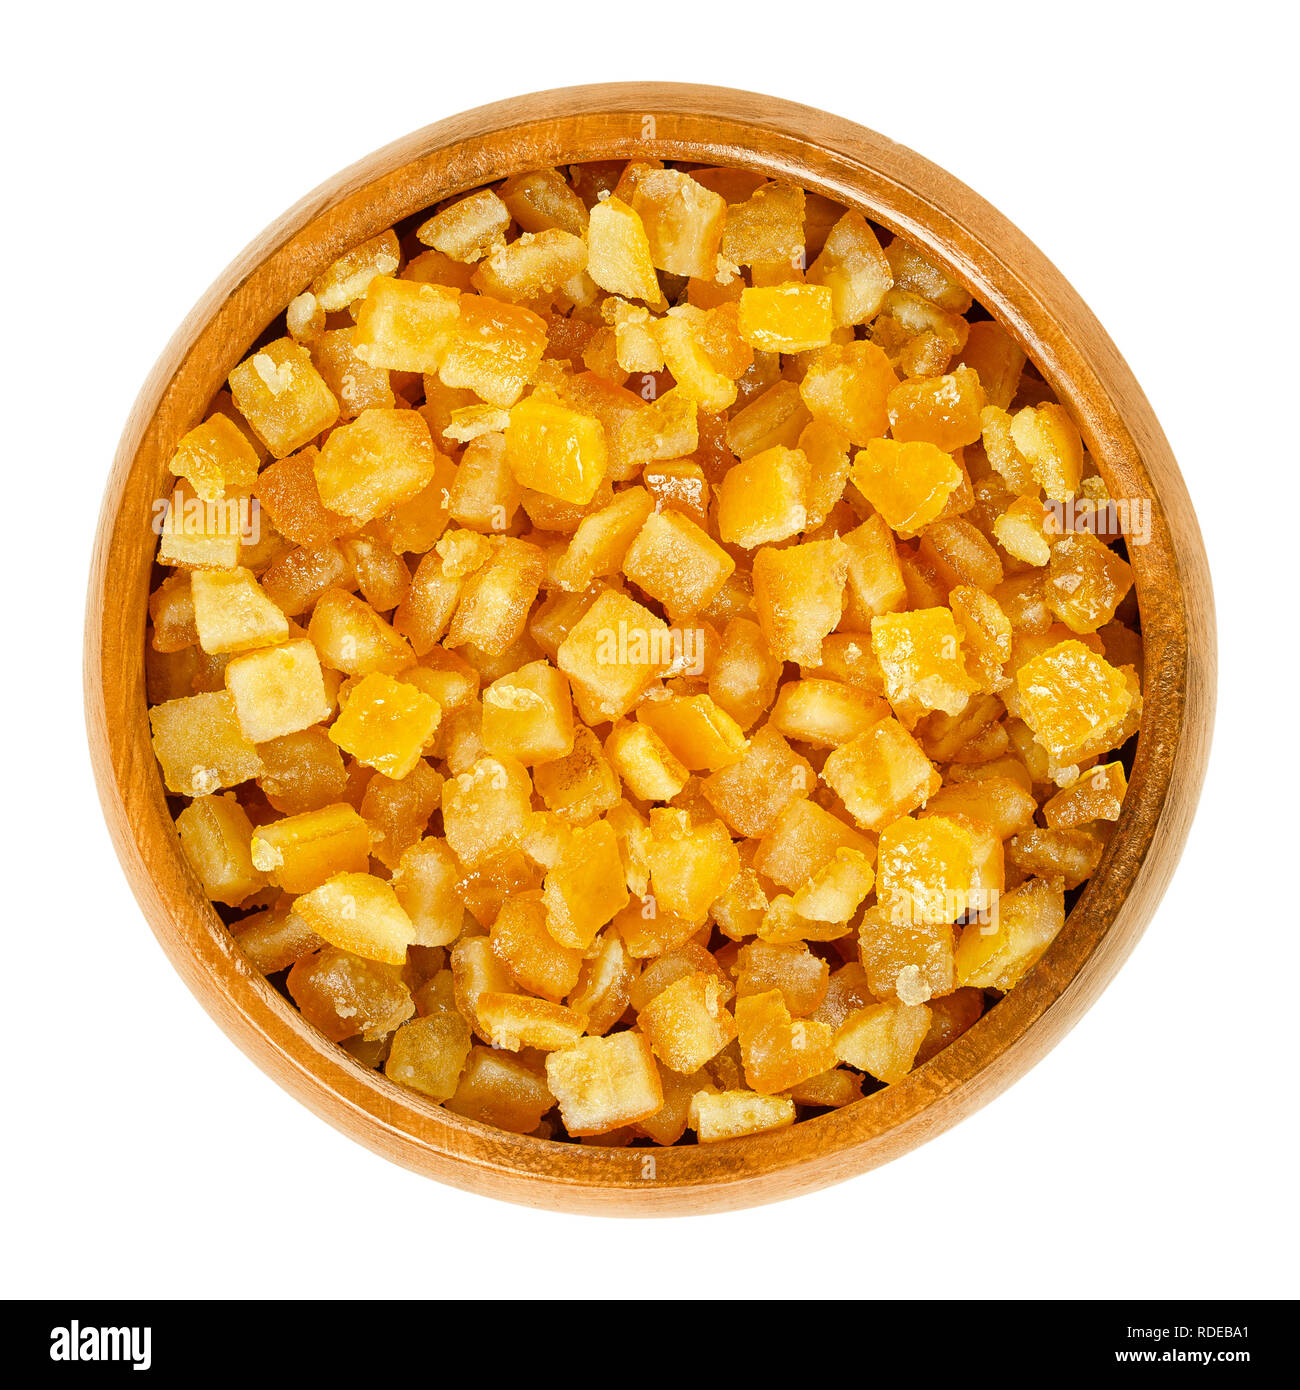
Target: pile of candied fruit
{"type": "Point", "coordinates": [661, 695]}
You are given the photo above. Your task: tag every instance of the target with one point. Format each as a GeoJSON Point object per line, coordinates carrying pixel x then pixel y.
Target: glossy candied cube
{"type": "Point", "coordinates": [605, 1082]}
{"type": "Point", "coordinates": [848, 385]}
{"type": "Point", "coordinates": [775, 418]}
{"type": "Point", "coordinates": [883, 1039]}
{"type": "Point", "coordinates": [406, 325]}
{"type": "Point", "coordinates": [668, 428]}
{"type": "Point", "coordinates": [854, 268]}
{"type": "Point", "coordinates": [1071, 698]}
{"type": "Point", "coordinates": [360, 913]}
{"type": "Point", "coordinates": [535, 960]}
{"type": "Point", "coordinates": [380, 460]}
{"type": "Point", "coordinates": [958, 552]}
{"type": "Point", "coordinates": [998, 954]}
{"type": "Point", "coordinates": [477, 970]}
{"type": "Point", "coordinates": [826, 448]}
{"type": "Point", "coordinates": [585, 887]}
{"type": "Point", "coordinates": [283, 397]}
{"type": "Point", "coordinates": [766, 226]}
{"type": "Point", "coordinates": [528, 715]}
{"type": "Point", "coordinates": [275, 938]}
{"type": "Point", "coordinates": [917, 274]}
{"type": "Point", "coordinates": [386, 724]}
{"type": "Point", "coordinates": [833, 894]}
{"type": "Point", "coordinates": [825, 713]}
{"type": "Point", "coordinates": [664, 970]}
{"type": "Point", "coordinates": [940, 410]}
{"type": "Point", "coordinates": [716, 1116]}
{"type": "Point", "coordinates": [703, 736]}
{"type": "Point", "coordinates": [346, 995]}
{"type": "Point", "coordinates": [601, 540]}
{"type": "Point", "coordinates": [200, 745]}
{"type": "Point", "coordinates": [828, 1090]}
{"type": "Point", "coordinates": [779, 1051]}
{"type": "Point", "coordinates": [215, 834]}
{"type": "Point", "coordinates": [397, 810]}
{"type": "Point", "coordinates": [801, 977]}
{"type": "Point", "coordinates": [909, 484]}
{"type": "Point", "coordinates": [425, 883]}
{"type": "Point", "coordinates": [484, 496]}
{"type": "Point", "coordinates": [683, 222]}
{"type": "Point", "coordinates": [804, 838]}
{"type": "Point", "coordinates": [215, 456]}
{"type": "Point", "coordinates": [1086, 582]}
{"type": "Point", "coordinates": [355, 383]}
{"type": "Point", "coordinates": [744, 675]}
{"type": "Point", "coordinates": [428, 1054]}
{"type": "Point", "coordinates": [424, 615]}
{"type": "Point", "coordinates": [938, 868]}
{"type": "Point", "coordinates": [485, 809]}
{"type": "Point", "coordinates": [232, 613]}
{"type": "Point", "coordinates": [1049, 442]}
{"type": "Point", "coordinates": [921, 655]}
{"type": "Point", "coordinates": [705, 353]}
{"type": "Point", "coordinates": [278, 690]}
{"type": "Point", "coordinates": [799, 596]}
{"type": "Point", "coordinates": [612, 654]}
{"type": "Point", "coordinates": [1097, 794]}
{"type": "Point", "coordinates": [986, 634]}
{"type": "Point", "coordinates": [619, 258]}
{"type": "Point", "coordinates": [543, 198]}
{"type": "Point", "coordinates": [764, 498]}
{"type": "Point", "coordinates": [517, 1021]}
{"type": "Point", "coordinates": [298, 853]}
{"type": "Point", "coordinates": [604, 983]}
{"type": "Point", "coordinates": [994, 356]}
{"type": "Point", "coordinates": [581, 786]}
{"type": "Point", "coordinates": [347, 279]}
{"type": "Point", "coordinates": [297, 580]}
{"type": "Point", "coordinates": [1022, 532]}
{"type": "Point", "coordinates": [790, 317]}
{"type": "Point", "coordinates": [200, 533]}
{"type": "Point", "coordinates": [302, 771]}
{"type": "Point", "coordinates": [287, 492]}
{"type": "Point", "coordinates": [750, 794]}
{"type": "Point", "coordinates": [501, 1090]}
{"type": "Point", "coordinates": [494, 349]}
{"type": "Point", "coordinates": [881, 775]}
{"type": "Point", "coordinates": [676, 562]}
{"type": "Point", "coordinates": [1067, 857]}
{"type": "Point", "coordinates": [494, 603]}
{"type": "Point", "coordinates": [950, 1017]}
{"type": "Point", "coordinates": [467, 228]}
{"type": "Point", "coordinates": [644, 762]}
{"type": "Point", "coordinates": [555, 449]}
{"type": "Point", "coordinates": [533, 265]}
{"type": "Point", "coordinates": [1004, 804]}
{"type": "Point", "coordinates": [691, 864]}
{"type": "Point", "coordinates": [687, 1023]}
{"type": "Point", "coordinates": [351, 637]}
{"type": "Point", "coordinates": [382, 574]}
{"type": "Point", "coordinates": [171, 611]}
{"type": "Point", "coordinates": [906, 958]}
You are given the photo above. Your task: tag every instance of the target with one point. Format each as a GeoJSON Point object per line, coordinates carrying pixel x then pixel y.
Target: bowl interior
{"type": "Point", "coordinates": [1011, 278]}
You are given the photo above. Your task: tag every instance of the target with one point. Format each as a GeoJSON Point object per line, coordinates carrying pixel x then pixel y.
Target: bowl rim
{"type": "Point", "coordinates": [896, 188]}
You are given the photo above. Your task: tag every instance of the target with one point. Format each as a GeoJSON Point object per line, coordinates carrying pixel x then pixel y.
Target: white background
{"type": "Point", "coordinates": [1149, 150]}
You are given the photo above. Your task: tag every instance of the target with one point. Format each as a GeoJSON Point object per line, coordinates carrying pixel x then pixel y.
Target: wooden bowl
{"type": "Point", "coordinates": [1006, 273]}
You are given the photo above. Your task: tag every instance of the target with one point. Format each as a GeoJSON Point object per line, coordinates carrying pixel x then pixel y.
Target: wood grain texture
{"type": "Point", "coordinates": [1013, 279]}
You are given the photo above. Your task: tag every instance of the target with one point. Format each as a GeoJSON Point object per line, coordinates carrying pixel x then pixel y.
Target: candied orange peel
{"type": "Point", "coordinates": [618, 663]}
